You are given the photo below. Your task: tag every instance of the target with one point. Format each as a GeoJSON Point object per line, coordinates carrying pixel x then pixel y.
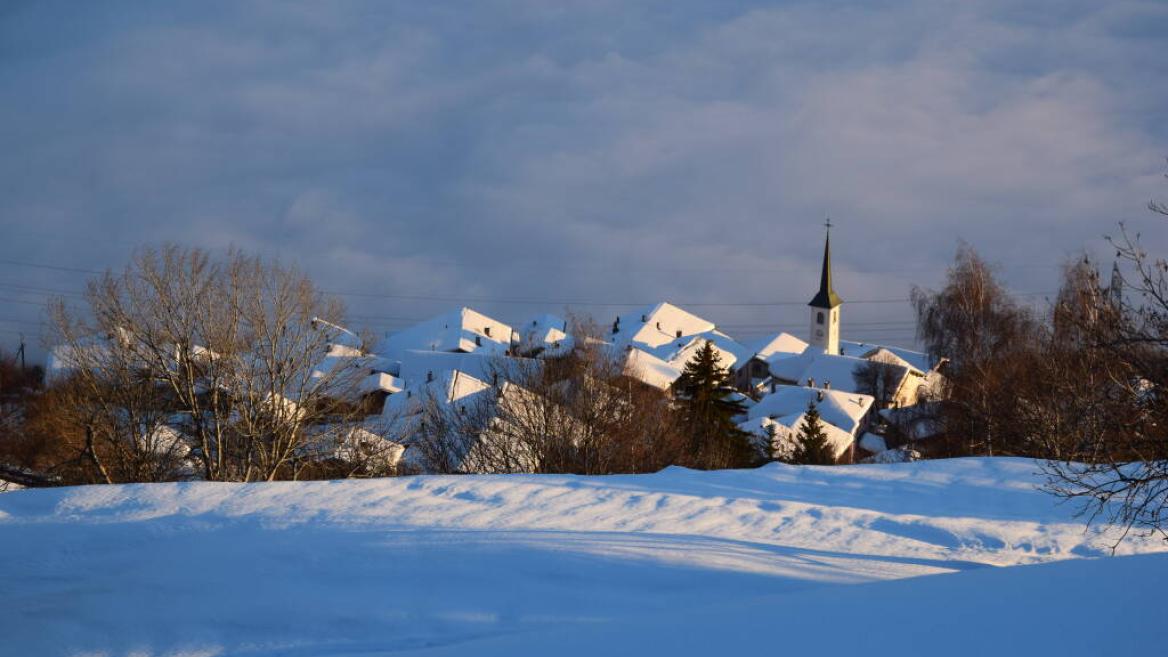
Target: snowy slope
{"type": "Point", "coordinates": [540, 564]}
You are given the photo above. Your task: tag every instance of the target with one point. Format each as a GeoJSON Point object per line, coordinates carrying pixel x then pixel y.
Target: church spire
{"type": "Point", "coordinates": [826, 297]}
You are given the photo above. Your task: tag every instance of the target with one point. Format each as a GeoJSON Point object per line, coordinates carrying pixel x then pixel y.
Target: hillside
{"type": "Point", "coordinates": [681, 562]}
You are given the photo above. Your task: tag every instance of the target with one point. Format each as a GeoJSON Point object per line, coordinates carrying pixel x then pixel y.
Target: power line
{"type": "Point", "coordinates": [497, 300]}
{"type": "Point", "coordinates": [36, 265]}
{"type": "Point", "coordinates": [39, 290]}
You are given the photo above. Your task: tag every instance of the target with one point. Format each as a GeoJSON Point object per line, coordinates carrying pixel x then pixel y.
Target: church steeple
{"type": "Point", "coordinates": [826, 297]}
{"type": "Point", "coordinates": [825, 306]}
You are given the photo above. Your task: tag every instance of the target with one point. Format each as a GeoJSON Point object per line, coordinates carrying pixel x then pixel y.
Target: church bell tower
{"type": "Point", "coordinates": [825, 306]}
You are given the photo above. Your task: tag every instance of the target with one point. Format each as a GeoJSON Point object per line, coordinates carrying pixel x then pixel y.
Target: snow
{"type": "Point", "coordinates": [918, 360]}
{"type": "Point", "coordinates": [545, 334]}
{"type": "Point", "coordinates": [673, 335]}
{"type": "Point", "coordinates": [874, 560]}
{"type": "Point", "coordinates": [650, 370]}
{"type": "Point", "coordinates": [417, 366]}
{"type": "Point", "coordinates": [444, 387]}
{"type": "Point", "coordinates": [380, 381]}
{"type": "Point", "coordinates": [845, 410]}
{"type": "Point", "coordinates": [459, 330]}
{"type": "Point", "coordinates": [873, 443]}
{"type": "Point", "coordinates": [820, 369]}
{"type": "Point", "coordinates": [784, 434]}
{"type": "Point", "coordinates": [780, 344]}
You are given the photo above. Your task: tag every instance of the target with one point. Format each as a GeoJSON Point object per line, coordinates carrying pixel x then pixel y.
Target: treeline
{"type": "Point", "coordinates": [1078, 384]}
{"type": "Point", "coordinates": [189, 366]}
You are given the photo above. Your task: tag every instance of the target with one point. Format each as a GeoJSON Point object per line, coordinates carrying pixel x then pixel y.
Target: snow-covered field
{"type": "Point", "coordinates": [780, 560]}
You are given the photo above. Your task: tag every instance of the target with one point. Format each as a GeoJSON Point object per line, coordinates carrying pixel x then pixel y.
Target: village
{"type": "Point", "coordinates": [505, 328]}
{"type": "Point", "coordinates": [873, 400]}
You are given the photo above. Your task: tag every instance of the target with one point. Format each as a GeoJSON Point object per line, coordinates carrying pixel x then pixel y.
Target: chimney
{"type": "Point", "coordinates": [479, 340]}
{"type": "Point", "coordinates": [658, 326]}
{"type": "Point", "coordinates": [819, 395]}
{"type": "Point", "coordinates": [429, 375]}
{"type": "Point", "coordinates": [644, 318]}
{"type": "Point", "coordinates": [810, 382]}
{"type": "Point", "coordinates": [487, 331]}
{"type": "Point", "coordinates": [827, 384]}
{"type": "Point", "coordinates": [679, 333]}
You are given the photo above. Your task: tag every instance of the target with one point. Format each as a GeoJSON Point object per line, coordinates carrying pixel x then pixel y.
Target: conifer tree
{"type": "Point", "coordinates": [811, 446]}
{"type": "Point", "coordinates": [708, 413]}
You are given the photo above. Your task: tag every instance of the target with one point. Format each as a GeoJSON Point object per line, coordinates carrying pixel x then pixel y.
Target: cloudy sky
{"type": "Point", "coordinates": [520, 156]}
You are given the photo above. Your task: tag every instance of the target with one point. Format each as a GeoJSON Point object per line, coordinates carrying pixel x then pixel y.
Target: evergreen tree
{"type": "Point", "coordinates": [811, 446]}
{"type": "Point", "coordinates": [708, 410]}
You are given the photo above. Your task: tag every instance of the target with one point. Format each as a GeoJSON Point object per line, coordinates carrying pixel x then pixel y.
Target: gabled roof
{"type": "Point", "coordinates": [418, 366]}
{"type": "Point", "coordinates": [381, 382]}
{"type": "Point", "coordinates": [841, 409]}
{"type": "Point", "coordinates": [786, 430]}
{"type": "Point", "coordinates": [649, 369]}
{"type": "Point", "coordinates": [918, 360]}
{"type": "Point", "coordinates": [814, 365]}
{"type": "Point", "coordinates": [673, 335]}
{"type": "Point", "coordinates": [780, 344]}
{"type": "Point", "coordinates": [459, 330]}
{"type": "Point", "coordinates": [658, 325]}
{"type": "Point", "coordinates": [446, 387]}
{"type": "Point", "coordinates": [545, 333]}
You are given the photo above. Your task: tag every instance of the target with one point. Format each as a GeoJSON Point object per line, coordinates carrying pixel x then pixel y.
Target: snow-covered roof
{"type": "Point", "coordinates": [780, 344]}
{"type": "Point", "coordinates": [839, 408]}
{"type": "Point", "coordinates": [459, 330]}
{"type": "Point", "coordinates": [418, 366]}
{"type": "Point", "coordinates": [813, 365]}
{"type": "Point", "coordinates": [380, 381]}
{"type": "Point", "coordinates": [546, 333]}
{"type": "Point", "coordinates": [649, 369]}
{"type": "Point", "coordinates": [673, 335]}
{"type": "Point", "coordinates": [658, 325]}
{"type": "Point", "coordinates": [446, 387]}
{"type": "Point", "coordinates": [918, 360]}
{"type": "Point", "coordinates": [786, 429]}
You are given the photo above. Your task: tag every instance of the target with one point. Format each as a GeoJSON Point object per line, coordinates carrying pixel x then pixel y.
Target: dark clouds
{"type": "Point", "coordinates": [588, 151]}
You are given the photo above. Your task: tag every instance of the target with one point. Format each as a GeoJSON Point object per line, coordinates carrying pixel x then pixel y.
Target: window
{"type": "Point", "coordinates": [819, 318]}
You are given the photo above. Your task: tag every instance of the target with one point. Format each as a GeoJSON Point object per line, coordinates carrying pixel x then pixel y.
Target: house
{"type": "Point", "coordinates": [660, 340]}
{"type": "Point", "coordinates": [781, 414]}
{"type": "Point", "coordinates": [544, 335]}
{"type": "Point", "coordinates": [462, 331]}
{"type": "Point", "coordinates": [750, 376]}
{"type": "Point", "coordinates": [461, 424]}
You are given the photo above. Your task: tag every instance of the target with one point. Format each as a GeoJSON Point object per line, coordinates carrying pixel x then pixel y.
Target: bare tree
{"type": "Point", "coordinates": [988, 341]}
{"type": "Point", "coordinates": [1117, 461]}
{"type": "Point", "coordinates": [879, 378]}
{"type": "Point", "coordinates": [571, 412]}
{"type": "Point", "coordinates": [226, 353]}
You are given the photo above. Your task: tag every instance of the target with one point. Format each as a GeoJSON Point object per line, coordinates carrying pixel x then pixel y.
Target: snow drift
{"type": "Point", "coordinates": [820, 560]}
